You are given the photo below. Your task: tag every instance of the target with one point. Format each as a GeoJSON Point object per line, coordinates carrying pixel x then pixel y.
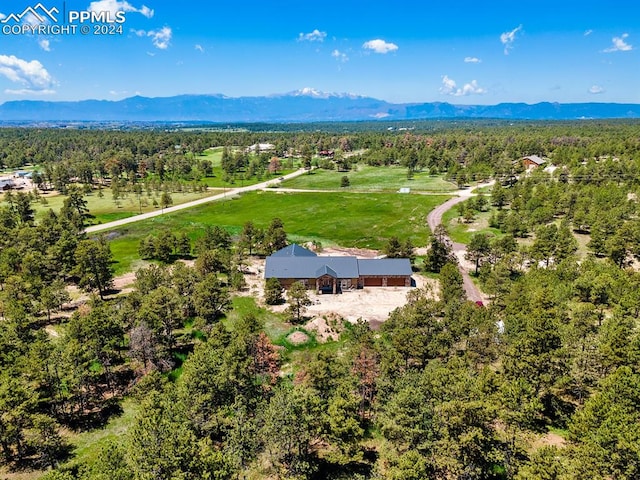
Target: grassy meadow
{"type": "Point", "coordinates": [104, 209]}
{"type": "Point", "coordinates": [364, 177]}
{"type": "Point", "coordinates": [346, 219]}
{"type": "Point", "coordinates": [461, 232]}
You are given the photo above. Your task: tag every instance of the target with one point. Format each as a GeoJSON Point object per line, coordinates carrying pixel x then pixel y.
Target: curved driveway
{"type": "Point", "coordinates": [435, 218]}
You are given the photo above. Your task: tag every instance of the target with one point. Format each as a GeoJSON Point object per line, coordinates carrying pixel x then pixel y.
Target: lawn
{"type": "Point", "coordinates": [346, 219]}
{"type": "Point", "coordinates": [364, 177]}
{"type": "Point", "coordinates": [461, 232]}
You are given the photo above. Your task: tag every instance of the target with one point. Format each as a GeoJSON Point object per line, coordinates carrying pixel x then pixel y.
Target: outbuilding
{"type": "Point", "coordinates": [532, 161]}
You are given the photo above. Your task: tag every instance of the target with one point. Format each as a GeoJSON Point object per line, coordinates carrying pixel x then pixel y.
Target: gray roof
{"type": "Point", "coordinates": [307, 267]}
{"type": "Point", "coordinates": [337, 267]}
{"type": "Point", "coordinates": [535, 159]}
{"type": "Point", "coordinates": [326, 270]}
{"type": "Point", "coordinates": [293, 250]}
{"type": "Point", "coordinates": [384, 266]}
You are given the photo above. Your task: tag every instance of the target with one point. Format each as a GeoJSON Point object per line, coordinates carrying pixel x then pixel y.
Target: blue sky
{"type": "Point", "coordinates": [416, 51]}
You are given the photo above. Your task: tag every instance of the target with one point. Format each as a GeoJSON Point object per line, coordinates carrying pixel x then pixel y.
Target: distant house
{"type": "Point", "coordinates": [532, 161]}
{"type": "Point", "coordinates": [261, 147]}
{"type": "Point", "coordinates": [329, 274]}
{"type": "Point", "coordinates": [326, 153]}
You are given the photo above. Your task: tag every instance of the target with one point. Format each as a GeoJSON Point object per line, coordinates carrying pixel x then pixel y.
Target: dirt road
{"type": "Point", "coordinates": [228, 193]}
{"type": "Point", "coordinates": [435, 218]}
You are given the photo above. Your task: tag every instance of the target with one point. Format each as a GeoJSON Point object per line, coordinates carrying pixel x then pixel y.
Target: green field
{"type": "Point", "coordinates": [461, 232]}
{"type": "Point", "coordinates": [364, 177]}
{"type": "Point", "coordinates": [104, 209]}
{"type": "Point", "coordinates": [346, 219]}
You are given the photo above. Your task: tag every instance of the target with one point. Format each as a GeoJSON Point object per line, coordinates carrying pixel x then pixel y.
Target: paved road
{"type": "Point", "coordinates": [228, 193]}
{"type": "Point", "coordinates": [435, 218]}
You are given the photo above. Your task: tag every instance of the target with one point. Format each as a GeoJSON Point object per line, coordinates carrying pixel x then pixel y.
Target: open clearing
{"type": "Point", "coordinates": [104, 209]}
{"type": "Point", "coordinates": [345, 219]}
{"type": "Point", "coordinates": [461, 232]}
{"type": "Point", "coordinates": [364, 177]}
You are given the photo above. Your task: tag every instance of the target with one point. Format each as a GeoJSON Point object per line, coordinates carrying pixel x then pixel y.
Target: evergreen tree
{"type": "Point", "coordinates": [273, 292]}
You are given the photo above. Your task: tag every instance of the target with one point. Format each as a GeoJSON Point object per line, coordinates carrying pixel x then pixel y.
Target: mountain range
{"type": "Point", "coordinates": [305, 105]}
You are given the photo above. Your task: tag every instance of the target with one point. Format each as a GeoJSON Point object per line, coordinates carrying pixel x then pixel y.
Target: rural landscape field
{"type": "Point", "coordinates": [162, 335]}
{"type": "Point", "coordinates": [344, 241]}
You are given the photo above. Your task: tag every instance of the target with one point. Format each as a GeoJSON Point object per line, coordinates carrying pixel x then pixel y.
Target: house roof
{"type": "Point", "coordinates": [294, 261]}
{"type": "Point", "coordinates": [293, 250]}
{"type": "Point", "coordinates": [308, 266]}
{"type": "Point", "coordinates": [384, 266]}
{"type": "Point", "coordinates": [326, 270]}
{"type": "Point", "coordinates": [535, 159]}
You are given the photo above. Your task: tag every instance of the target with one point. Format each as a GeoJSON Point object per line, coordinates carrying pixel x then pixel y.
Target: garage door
{"type": "Point", "coordinates": [395, 282]}
{"type": "Point", "coordinates": [373, 282]}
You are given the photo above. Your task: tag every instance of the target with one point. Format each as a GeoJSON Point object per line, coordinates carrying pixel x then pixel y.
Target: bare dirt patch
{"type": "Point", "coordinates": [326, 328]}
{"type": "Point", "coordinates": [298, 338]}
{"type": "Point", "coordinates": [350, 252]}
{"type": "Point", "coordinates": [124, 283]}
{"type": "Point", "coordinates": [373, 304]}
{"type": "Point", "coordinates": [549, 439]}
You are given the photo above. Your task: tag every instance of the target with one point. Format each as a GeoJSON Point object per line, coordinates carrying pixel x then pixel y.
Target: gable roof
{"type": "Point", "coordinates": [326, 270]}
{"type": "Point", "coordinates": [293, 250]}
{"type": "Point", "coordinates": [535, 159]}
{"type": "Point", "coordinates": [384, 266]}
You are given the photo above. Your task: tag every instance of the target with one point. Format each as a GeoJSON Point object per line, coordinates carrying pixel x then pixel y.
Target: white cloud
{"type": "Point", "coordinates": [199, 48]}
{"type": "Point", "coordinates": [29, 91]}
{"type": "Point", "coordinates": [114, 6]}
{"type": "Point", "coordinates": [315, 36]}
{"type": "Point", "coordinates": [596, 90]}
{"type": "Point", "coordinates": [380, 46]}
{"type": "Point", "coordinates": [2, 16]}
{"type": "Point", "coordinates": [507, 38]}
{"type": "Point", "coordinates": [160, 38]}
{"type": "Point", "coordinates": [32, 75]}
{"type": "Point", "coordinates": [588, 32]}
{"type": "Point", "coordinates": [146, 11]}
{"type": "Point", "coordinates": [45, 44]}
{"type": "Point", "coordinates": [472, 60]}
{"type": "Point", "coordinates": [620, 44]}
{"type": "Point", "coordinates": [340, 56]}
{"type": "Point", "coordinates": [449, 87]}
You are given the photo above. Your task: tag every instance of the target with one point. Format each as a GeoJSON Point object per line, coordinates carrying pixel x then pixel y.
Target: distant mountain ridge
{"type": "Point", "coordinates": [305, 105]}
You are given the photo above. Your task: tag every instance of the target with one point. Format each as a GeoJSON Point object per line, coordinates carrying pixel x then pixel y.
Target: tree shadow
{"type": "Point", "coordinates": [332, 471]}
{"type": "Point", "coordinates": [94, 418]}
